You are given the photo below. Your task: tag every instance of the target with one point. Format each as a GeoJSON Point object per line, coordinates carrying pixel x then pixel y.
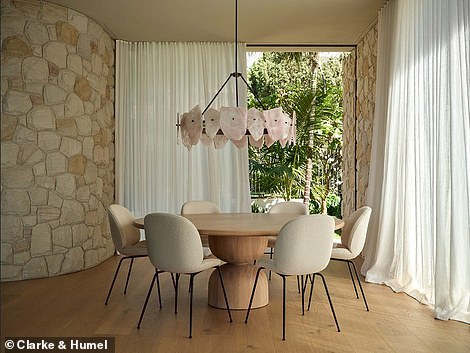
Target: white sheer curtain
{"type": "Point", "coordinates": [154, 82]}
{"type": "Point", "coordinates": [419, 185]}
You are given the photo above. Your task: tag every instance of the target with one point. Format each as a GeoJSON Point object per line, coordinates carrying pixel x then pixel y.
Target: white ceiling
{"type": "Point", "coordinates": [260, 21]}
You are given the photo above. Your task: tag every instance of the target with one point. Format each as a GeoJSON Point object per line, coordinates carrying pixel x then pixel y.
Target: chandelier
{"type": "Point", "coordinates": [236, 124]}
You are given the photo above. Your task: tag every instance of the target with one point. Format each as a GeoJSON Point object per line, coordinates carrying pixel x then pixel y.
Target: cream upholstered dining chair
{"type": "Point", "coordinates": [197, 207]}
{"type": "Point", "coordinates": [174, 246]}
{"type": "Point", "coordinates": [353, 238]}
{"type": "Point", "coordinates": [126, 239]}
{"type": "Point", "coordinates": [303, 248]}
{"type": "Point", "coordinates": [285, 207]}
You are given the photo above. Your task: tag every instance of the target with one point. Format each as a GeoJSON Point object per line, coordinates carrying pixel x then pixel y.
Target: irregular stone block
{"type": "Point", "coordinates": [66, 79]}
{"type": "Point", "coordinates": [11, 272]}
{"type": "Point", "coordinates": [12, 228]}
{"type": "Point", "coordinates": [65, 184]}
{"type": "Point", "coordinates": [11, 67]}
{"type": "Point", "coordinates": [48, 214]}
{"type": "Point", "coordinates": [36, 32]}
{"type": "Point", "coordinates": [16, 103]}
{"type": "Point", "coordinates": [79, 21]}
{"type": "Point", "coordinates": [67, 127]}
{"type": "Point", "coordinates": [17, 178]}
{"type": "Point", "coordinates": [30, 221]}
{"type": "Point", "coordinates": [25, 135]}
{"type": "Point", "coordinates": [79, 234]}
{"type": "Point", "coordinates": [39, 169]}
{"type": "Point", "coordinates": [77, 165]}
{"type": "Point", "coordinates": [41, 240]}
{"type": "Point", "coordinates": [16, 46]}
{"type": "Point", "coordinates": [45, 182]}
{"type": "Point", "coordinates": [49, 140]}
{"type": "Point", "coordinates": [35, 69]}
{"type": "Point", "coordinates": [73, 261]}
{"type": "Point", "coordinates": [35, 268]}
{"type": "Point", "coordinates": [84, 46]}
{"type": "Point", "coordinates": [72, 212]}
{"type": "Point", "coordinates": [30, 155]}
{"type": "Point", "coordinates": [41, 118]}
{"type": "Point", "coordinates": [74, 63]}
{"type": "Point", "coordinates": [54, 94]}
{"type": "Point", "coordinates": [54, 200]}
{"type": "Point", "coordinates": [12, 25]}
{"type": "Point", "coordinates": [15, 202]}
{"type": "Point", "coordinates": [84, 125]}
{"type": "Point", "coordinates": [21, 258]}
{"type": "Point", "coordinates": [91, 173]}
{"type": "Point", "coordinates": [38, 196]}
{"type": "Point", "coordinates": [6, 253]}
{"type": "Point", "coordinates": [56, 53]}
{"type": "Point", "coordinates": [34, 87]}
{"type": "Point", "coordinates": [62, 236]}
{"type": "Point", "coordinates": [96, 64]}
{"type": "Point", "coordinates": [91, 258]}
{"type": "Point", "coordinates": [54, 263]}
{"type": "Point", "coordinates": [82, 88]}
{"type": "Point", "coordinates": [88, 145]}
{"type": "Point", "coordinates": [66, 33]}
{"type": "Point", "coordinates": [56, 163]}
{"type": "Point", "coordinates": [9, 153]}
{"type": "Point", "coordinates": [73, 106]}
{"type": "Point", "coordinates": [70, 147]}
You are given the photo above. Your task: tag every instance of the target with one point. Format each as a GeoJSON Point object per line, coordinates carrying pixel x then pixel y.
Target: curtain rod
{"type": "Point", "coordinates": [302, 45]}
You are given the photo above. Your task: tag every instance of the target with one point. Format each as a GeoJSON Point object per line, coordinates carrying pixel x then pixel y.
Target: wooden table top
{"type": "Point", "coordinates": [239, 224]}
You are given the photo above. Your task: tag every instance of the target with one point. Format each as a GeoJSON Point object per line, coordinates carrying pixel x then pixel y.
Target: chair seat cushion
{"type": "Point", "coordinates": [206, 264]}
{"type": "Point", "coordinates": [139, 248]}
{"type": "Point", "coordinates": [341, 252]}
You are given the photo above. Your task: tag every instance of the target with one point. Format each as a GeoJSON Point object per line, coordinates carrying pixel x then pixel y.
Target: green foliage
{"type": "Point", "coordinates": [286, 80]}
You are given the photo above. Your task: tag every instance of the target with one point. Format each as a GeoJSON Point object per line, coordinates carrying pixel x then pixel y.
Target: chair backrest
{"type": "Point", "coordinates": [173, 243]}
{"type": "Point", "coordinates": [289, 207]}
{"type": "Point", "coordinates": [122, 231]}
{"type": "Point", "coordinates": [353, 234]}
{"type": "Point", "coordinates": [304, 245]}
{"type": "Point", "coordinates": [199, 206]}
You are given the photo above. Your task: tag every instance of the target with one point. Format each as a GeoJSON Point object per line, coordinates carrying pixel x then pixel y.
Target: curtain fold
{"type": "Point", "coordinates": [155, 82]}
{"type": "Point", "coordinates": [419, 185]}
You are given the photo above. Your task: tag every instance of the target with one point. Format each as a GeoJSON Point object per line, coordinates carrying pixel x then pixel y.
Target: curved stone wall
{"type": "Point", "coordinates": [57, 140]}
{"type": "Point", "coordinates": [358, 107]}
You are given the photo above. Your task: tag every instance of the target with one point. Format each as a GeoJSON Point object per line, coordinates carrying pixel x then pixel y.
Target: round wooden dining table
{"type": "Point", "coordinates": [238, 239]}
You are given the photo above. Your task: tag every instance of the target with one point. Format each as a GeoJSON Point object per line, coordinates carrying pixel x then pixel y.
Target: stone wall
{"type": "Point", "coordinates": [57, 140]}
{"type": "Point", "coordinates": [359, 106]}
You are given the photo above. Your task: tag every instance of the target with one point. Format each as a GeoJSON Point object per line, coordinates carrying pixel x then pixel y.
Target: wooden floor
{"type": "Point", "coordinates": [73, 305]}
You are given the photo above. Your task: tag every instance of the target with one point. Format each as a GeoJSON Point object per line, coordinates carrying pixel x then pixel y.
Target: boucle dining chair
{"type": "Point", "coordinates": [303, 248]}
{"type": "Point", "coordinates": [198, 207]}
{"type": "Point", "coordinates": [285, 207]}
{"type": "Point", "coordinates": [126, 239]}
{"type": "Point", "coordinates": [353, 238]}
{"type": "Point", "coordinates": [174, 246]}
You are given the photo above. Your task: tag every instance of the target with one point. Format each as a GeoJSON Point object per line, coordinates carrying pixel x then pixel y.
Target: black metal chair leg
{"type": "Point", "coordinates": [146, 300]}
{"type": "Point", "coordinates": [352, 279]}
{"type": "Point", "coordinates": [225, 294]}
{"type": "Point", "coordinates": [114, 279]}
{"type": "Point", "coordinates": [158, 288]}
{"type": "Point", "coordinates": [176, 292]}
{"type": "Point", "coordinates": [312, 283]}
{"type": "Point", "coordinates": [129, 274]}
{"type": "Point", "coordinates": [191, 284]}
{"type": "Point", "coordinates": [360, 286]}
{"type": "Point", "coordinates": [173, 280]}
{"type": "Point", "coordinates": [283, 307]}
{"type": "Point", "coordinates": [270, 256]}
{"type": "Point", "coordinates": [303, 294]}
{"type": "Point", "coordinates": [252, 295]}
{"type": "Point", "coordinates": [298, 285]}
{"type": "Point", "coordinates": [329, 299]}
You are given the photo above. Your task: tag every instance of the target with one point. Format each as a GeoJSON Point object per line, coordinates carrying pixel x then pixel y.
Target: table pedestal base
{"type": "Point", "coordinates": [238, 281]}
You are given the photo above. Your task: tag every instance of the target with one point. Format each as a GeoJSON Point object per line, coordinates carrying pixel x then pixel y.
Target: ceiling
{"type": "Point", "coordinates": [289, 22]}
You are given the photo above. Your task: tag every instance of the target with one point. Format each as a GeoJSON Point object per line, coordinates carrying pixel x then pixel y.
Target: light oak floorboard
{"type": "Point", "coordinates": [73, 305]}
